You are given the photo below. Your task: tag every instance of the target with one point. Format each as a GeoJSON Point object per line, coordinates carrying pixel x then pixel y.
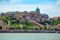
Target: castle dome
{"type": "Point", "coordinates": [37, 9]}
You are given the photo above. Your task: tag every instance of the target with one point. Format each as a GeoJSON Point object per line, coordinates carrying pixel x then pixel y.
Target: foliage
{"type": "Point", "coordinates": [27, 25]}
{"type": "Point", "coordinates": [16, 26]}
{"type": "Point", "coordinates": [0, 27]}
{"type": "Point", "coordinates": [54, 22]}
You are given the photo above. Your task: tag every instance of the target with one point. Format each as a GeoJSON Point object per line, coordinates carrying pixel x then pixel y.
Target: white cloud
{"type": "Point", "coordinates": [58, 2]}
{"type": "Point", "coordinates": [25, 7]}
{"type": "Point", "coordinates": [5, 8]}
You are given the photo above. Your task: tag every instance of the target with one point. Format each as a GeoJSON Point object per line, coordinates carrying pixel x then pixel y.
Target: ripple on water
{"type": "Point", "coordinates": [29, 36]}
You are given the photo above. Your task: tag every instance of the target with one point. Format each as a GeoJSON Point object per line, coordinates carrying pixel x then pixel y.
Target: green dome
{"type": "Point", "coordinates": [37, 9]}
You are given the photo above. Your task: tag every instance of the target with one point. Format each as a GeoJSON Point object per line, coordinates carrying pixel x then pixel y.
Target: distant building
{"type": "Point", "coordinates": [37, 10]}
{"type": "Point", "coordinates": [56, 18]}
{"type": "Point", "coordinates": [10, 13]}
{"type": "Point", "coordinates": [45, 16]}
{"type": "Point", "coordinates": [2, 14]}
{"type": "Point", "coordinates": [32, 15]}
{"type": "Point", "coordinates": [7, 14]}
{"type": "Point", "coordinates": [58, 26]}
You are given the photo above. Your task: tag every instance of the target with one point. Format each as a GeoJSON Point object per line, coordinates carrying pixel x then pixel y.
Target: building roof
{"type": "Point", "coordinates": [57, 17]}
{"type": "Point", "coordinates": [37, 9]}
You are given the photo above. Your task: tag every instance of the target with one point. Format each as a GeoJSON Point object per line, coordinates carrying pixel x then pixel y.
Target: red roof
{"type": "Point", "coordinates": [57, 17]}
{"type": "Point", "coordinates": [58, 25]}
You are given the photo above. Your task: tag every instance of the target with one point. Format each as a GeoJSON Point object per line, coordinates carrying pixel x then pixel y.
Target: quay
{"type": "Point", "coordinates": [29, 31]}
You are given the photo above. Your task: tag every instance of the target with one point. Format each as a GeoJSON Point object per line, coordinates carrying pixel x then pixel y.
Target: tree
{"type": "Point", "coordinates": [28, 25]}
{"type": "Point", "coordinates": [0, 27]}
{"type": "Point", "coordinates": [16, 26]}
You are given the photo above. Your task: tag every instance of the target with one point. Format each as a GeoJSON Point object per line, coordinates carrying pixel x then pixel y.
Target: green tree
{"type": "Point", "coordinates": [0, 27]}
{"type": "Point", "coordinates": [28, 25]}
{"type": "Point", "coordinates": [16, 26]}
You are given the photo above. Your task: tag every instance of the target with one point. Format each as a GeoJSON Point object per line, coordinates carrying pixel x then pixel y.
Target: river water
{"type": "Point", "coordinates": [29, 36]}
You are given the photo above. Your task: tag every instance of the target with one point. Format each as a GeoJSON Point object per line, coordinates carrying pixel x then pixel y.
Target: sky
{"type": "Point", "coordinates": [50, 7]}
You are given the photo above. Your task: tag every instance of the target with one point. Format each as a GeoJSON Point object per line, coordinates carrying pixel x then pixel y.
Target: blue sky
{"type": "Point", "coordinates": [27, 1]}
{"type": "Point", "coordinates": [50, 7]}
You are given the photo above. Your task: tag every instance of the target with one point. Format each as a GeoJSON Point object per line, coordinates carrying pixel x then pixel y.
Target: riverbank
{"type": "Point", "coordinates": [29, 31]}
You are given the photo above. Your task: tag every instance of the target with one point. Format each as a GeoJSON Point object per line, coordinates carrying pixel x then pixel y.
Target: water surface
{"type": "Point", "coordinates": [29, 36]}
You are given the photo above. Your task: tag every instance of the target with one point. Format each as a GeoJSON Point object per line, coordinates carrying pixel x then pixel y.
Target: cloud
{"type": "Point", "coordinates": [6, 8]}
{"type": "Point", "coordinates": [58, 2]}
{"type": "Point", "coordinates": [54, 9]}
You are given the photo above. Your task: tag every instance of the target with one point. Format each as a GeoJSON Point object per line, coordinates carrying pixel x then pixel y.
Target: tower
{"type": "Point", "coordinates": [37, 10]}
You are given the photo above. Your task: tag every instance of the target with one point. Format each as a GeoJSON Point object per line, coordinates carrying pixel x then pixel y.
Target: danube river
{"type": "Point", "coordinates": [29, 36]}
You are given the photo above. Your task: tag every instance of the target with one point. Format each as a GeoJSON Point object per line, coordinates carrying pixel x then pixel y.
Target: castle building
{"type": "Point", "coordinates": [32, 15]}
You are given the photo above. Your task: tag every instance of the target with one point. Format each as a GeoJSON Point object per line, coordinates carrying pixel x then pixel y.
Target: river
{"type": "Point", "coordinates": [29, 36]}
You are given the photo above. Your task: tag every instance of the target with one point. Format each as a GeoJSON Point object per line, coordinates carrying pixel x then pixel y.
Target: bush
{"type": "Point", "coordinates": [0, 27]}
